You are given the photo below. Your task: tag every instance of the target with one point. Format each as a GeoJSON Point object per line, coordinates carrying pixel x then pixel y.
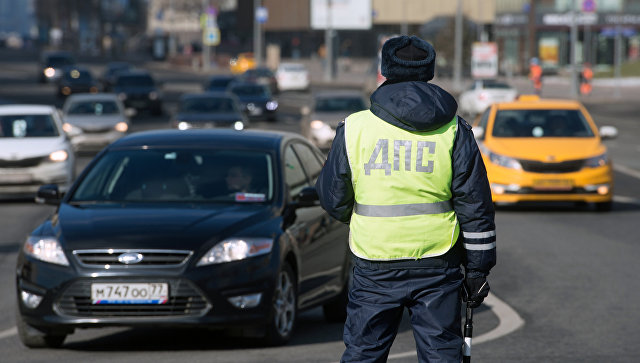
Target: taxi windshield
{"type": "Point", "coordinates": [541, 123]}
{"type": "Point", "coordinates": [178, 175]}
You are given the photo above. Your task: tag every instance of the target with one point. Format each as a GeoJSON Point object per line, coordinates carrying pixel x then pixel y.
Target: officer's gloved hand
{"type": "Point", "coordinates": [476, 289]}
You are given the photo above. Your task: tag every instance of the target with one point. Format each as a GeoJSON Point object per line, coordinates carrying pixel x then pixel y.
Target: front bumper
{"type": "Point", "coordinates": [27, 180]}
{"type": "Point", "coordinates": [198, 296]}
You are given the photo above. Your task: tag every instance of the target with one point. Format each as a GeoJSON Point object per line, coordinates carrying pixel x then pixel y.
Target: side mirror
{"type": "Point", "coordinates": [478, 132]}
{"type": "Point", "coordinates": [608, 132]}
{"type": "Point", "coordinates": [308, 197]}
{"type": "Point", "coordinates": [48, 194]}
{"type": "Point", "coordinates": [130, 112]}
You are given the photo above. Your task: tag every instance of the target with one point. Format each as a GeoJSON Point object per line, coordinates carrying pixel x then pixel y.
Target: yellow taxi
{"type": "Point", "coordinates": [545, 150]}
{"type": "Point", "coordinates": [242, 63]}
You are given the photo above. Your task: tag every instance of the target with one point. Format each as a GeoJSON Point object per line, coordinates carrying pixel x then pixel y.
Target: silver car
{"type": "Point", "coordinates": [327, 110]}
{"type": "Point", "coordinates": [34, 150]}
{"type": "Point", "coordinates": [93, 121]}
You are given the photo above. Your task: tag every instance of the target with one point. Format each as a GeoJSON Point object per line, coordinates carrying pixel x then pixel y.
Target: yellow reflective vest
{"type": "Point", "coordinates": [402, 186]}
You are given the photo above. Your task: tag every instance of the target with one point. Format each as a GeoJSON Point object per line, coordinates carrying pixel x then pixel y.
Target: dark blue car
{"type": "Point", "coordinates": [256, 100]}
{"type": "Point", "coordinates": [209, 110]}
{"type": "Point", "coordinates": [202, 228]}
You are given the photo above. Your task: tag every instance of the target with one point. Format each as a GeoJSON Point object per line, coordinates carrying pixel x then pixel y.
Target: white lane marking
{"type": "Point", "coordinates": [509, 321]}
{"type": "Point", "coordinates": [626, 200]}
{"type": "Point", "coordinates": [9, 332]}
{"type": "Point", "coordinates": [626, 170]}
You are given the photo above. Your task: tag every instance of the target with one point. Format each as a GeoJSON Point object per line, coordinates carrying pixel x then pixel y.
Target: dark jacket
{"type": "Point", "coordinates": [422, 106]}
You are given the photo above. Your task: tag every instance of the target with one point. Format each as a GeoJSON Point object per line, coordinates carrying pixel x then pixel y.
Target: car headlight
{"type": "Point", "coordinates": [317, 124]}
{"type": "Point", "coordinates": [71, 130]}
{"type": "Point", "coordinates": [234, 249]}
{"type": "Point", "coordinates": [505, 161]}
{"type": "Point", "coordinates": [597, 161]}
{"type": "Point", "coordinates": [49, 72]}
{"type": "Point", "coordinates": [183, 125]}
{"type": "Point", "coordinates": [238, 125]}
{"type": "Point", "coordinates": [45, 249]}
{"type": "Point", "coordinates": [60, 155]}
{"type": "Point", "coordinates": [272, 105]}
{"type": "Point", "coordinates": [121, 127]}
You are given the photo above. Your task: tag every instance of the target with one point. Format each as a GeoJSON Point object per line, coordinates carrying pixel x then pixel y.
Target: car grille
{"type": "Point", "coordinates": [151, 258]}
{"type": "Point", "coordinates": [542, 167]}
{"type": "Point", "coordinates": [22, 163]}
{"type": "Point", "coordinates": [97, 131]}
{"type": "Point", "coordinates": [184, 300]}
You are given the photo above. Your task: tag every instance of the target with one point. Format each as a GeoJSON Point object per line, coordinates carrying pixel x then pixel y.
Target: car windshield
{"type": "Point", "coordinates": [490, 85]}
{"type": "Point", "coordinates": [59, 61]}
{"type": "Point", "coordinates": [23, 126]}
{"type": "Point", "coordinates": [207, 105]}
{"type": "Point", "coordinates": [332, 104]}
{"type": "Point", "coordinates": [251, 90]}
{"type": "Point", "coordinates": [93, 108]}
{"type": "Point", "coordinates": [178, 175]}
{"type": "Point", "coordinates": [135, 81]}
{"type": "Point", "coordinates": [541, 123]}
{"type": "Point", "coordinates": [219, 82]}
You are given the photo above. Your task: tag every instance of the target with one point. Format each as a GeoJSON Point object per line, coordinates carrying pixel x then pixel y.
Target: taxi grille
{"type": "Point", "coordinates": [184, 300]}
{"type": "Point", "coordinates": [542, 167]}
{"type": "Point", "coordinates": [150, 258]}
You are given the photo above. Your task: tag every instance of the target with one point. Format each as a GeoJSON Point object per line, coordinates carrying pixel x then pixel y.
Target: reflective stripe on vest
{"type": "Point", "coordinates": [402, 184]}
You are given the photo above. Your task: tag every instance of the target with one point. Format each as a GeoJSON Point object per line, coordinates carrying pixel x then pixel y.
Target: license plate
{"type": "Point", "coordinates": [255, 111]}
{"type": "Point", "coordinates": [133, 293]}
{"type": "Point", "coordinates": [553, 184]}
{"type": "Point", "coordinates": [15, 178]}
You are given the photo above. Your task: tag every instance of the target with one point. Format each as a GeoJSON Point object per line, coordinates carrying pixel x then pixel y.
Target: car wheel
{"type": "Point", "coordinates": [284, 308]}
{"type": "Point", "coordinates": [604, 206]}
{"type": "Point", "coordinates": [33, 337]}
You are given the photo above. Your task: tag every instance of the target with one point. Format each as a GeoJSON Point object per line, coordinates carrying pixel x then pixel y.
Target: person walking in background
{"type": "Point", "coordinates": [535, 75]}
{"type": "Point", "coordinates": [408, 178]}
{"type": "Point", "coordinates": [586, 75]}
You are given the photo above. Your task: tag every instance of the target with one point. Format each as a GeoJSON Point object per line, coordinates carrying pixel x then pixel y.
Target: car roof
{"type": "Point", "coordinates": [534, 102]}
{"type": "Point", "coordinates": [24, 109]}
{"type": "Point", "coordinates": [251, 139]}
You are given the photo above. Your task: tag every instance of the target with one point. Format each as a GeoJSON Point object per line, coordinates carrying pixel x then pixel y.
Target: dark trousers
{"type": "Point", "coordinates": [377, 298]}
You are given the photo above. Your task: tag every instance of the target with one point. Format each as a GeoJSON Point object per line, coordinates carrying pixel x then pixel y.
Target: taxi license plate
{"type": "Point", "coordinates": [133, 293]}
{"type": "Point", "coordinates": [553, 184]}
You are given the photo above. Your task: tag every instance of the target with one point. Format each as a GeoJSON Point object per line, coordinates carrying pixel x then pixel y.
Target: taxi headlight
{"type": "Point", "coordinates": [234, 249]}
{"type": "Point", "coordinates": [60, 155]}
{"type": "Point", "coordinates": [597, 161]}
{"type": "Point", "coordinates": [121, 127]}
{"type": "Point", "coordinates": [505, 161]}
{"type": "Point", "coordinates": [45, 249]}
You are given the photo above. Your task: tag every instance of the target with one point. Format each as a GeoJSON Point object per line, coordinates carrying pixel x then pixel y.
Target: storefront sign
{"type": "Point", "coordinates": [565, 19]}
{"type": "Point", "coordinates": [484, 60]}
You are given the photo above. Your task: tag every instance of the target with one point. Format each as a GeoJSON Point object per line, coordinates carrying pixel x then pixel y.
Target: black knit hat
{"type": "Point", "coordinates": [407, 59]}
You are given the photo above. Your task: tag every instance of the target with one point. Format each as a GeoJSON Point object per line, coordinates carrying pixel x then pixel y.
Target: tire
{"type": "Point", "coordinates": [284, 308]}
{"type": "Point", "coordinates": [33, 337]}
{"type": "Point", "coordinates": [604, 206]}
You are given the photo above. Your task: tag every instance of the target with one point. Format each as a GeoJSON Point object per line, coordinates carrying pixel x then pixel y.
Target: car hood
{"type": "Point", "coordinates": [561, 149]}
{"type": "Point", "coordinates": [92, 122]}
{"type": "Point", "coordinates": [23, 148]}
{"type": "Point", "coordinates": [159, 227]}
{"type": "Point", "coordinates": [209, 117]}
{"type": "Point", "coordinates": [330, 118]}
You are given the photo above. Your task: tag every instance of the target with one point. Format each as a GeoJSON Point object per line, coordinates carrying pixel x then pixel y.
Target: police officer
{"type": "Point", "coordinates": [408, 178]}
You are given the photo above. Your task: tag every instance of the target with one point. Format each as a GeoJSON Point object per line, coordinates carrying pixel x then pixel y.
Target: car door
{"type": "Point", "coordinates": [323, 240]}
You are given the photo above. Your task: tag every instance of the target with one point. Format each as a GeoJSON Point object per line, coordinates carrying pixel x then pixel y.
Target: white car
{"type": "Point", "coordinates": [93, 121]}
{"type": "Point", "coordinates": [482, 94]}
{"type": "Point", "coordinates": [292, 77]}
{"type": "Point", "coordinates": [34, 150]}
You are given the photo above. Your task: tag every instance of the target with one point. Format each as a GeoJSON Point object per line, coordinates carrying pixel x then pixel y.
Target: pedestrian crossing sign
{"type": "Point", "coordinates": [211, 36]}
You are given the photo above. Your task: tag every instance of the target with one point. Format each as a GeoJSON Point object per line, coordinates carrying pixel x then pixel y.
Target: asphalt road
{"type": "Point", "coordinates": [567, 272]}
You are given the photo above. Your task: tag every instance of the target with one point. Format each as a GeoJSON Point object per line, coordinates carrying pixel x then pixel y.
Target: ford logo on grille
{"type": "Point", "coordinates": [130, 258]}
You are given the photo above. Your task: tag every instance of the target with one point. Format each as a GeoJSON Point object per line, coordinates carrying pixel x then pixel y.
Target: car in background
{"type": "Point", "coordinates": [293, 77]}
{"type": "Point", "coordinates": [242, 63]}
{"type": "Point", "coordinates": [34, 150]}
{"type": "Point", "coordinates": [327, 110]}
{"type": "Point", "coordinates": [261, 75]}
{"type": "Point", "coordinates": [209, 110]}
{"type": "Point", "coordinates": [76, 80]}
{"type": "Point", "coordinates": [198, 228]}
{"type": "Point", "coordinates": [218, 83]}
{"type": "Point", "coordinates": [93, 121]}
{"type": "Point", "coordinates": [545, 150]}
{"type": "Point", "coordinates": [483, 93]}
{"type": "Point", "coordinates": [256, 101]}
{"type": "Point", "coordinates": [51, 64]}
{"type": "Point", "coordinates": [111, 72]}
{"type": "Point", "coordinates": [138, 89]}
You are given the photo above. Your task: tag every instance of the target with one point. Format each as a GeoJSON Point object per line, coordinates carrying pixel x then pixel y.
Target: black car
{"type": "Point", "coordinates": [219, 83]}
{"type": "Point", "coordinates": [208, 110]}
{"type": "Point", "coordinates": [261, 75]}
{"type": "Point", "coordinates": [256, 100]}
{"type": "Point", "coordinates": [76, 80]}
{"type": "Point", "coordinates": [111, 72]}
{"type": "Point", "coordinates": [51, 64]}
{"type": "Point", "coordinates": [137, 89]}
{"type": "Point", "coordinates": [203, 228]}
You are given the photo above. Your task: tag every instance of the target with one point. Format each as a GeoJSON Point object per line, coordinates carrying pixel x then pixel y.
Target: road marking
{"type": "Point", "coordinates": [626, 200]}
{"type": "Point", "coordinates": [626, 170]}
{"type": "Point", "coordinates": [8, 333]}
